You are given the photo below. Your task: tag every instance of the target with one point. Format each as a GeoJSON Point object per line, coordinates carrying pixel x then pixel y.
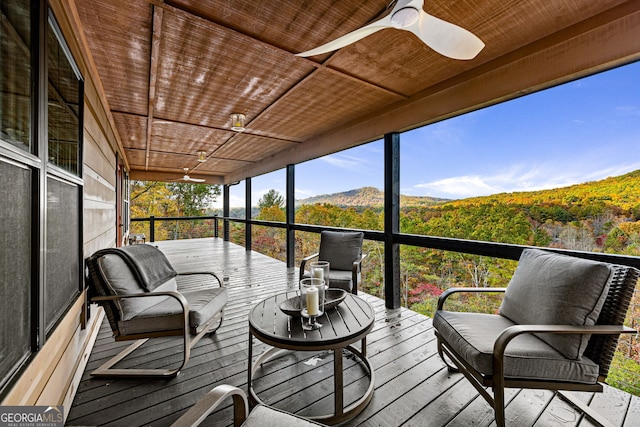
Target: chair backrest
{"type": "Point", "coordinates": [340, 248]}
{"type": "Point", "coordinates": [97, 287]}
{"type": "Point", "coordinates": [128, 270]}
{"type": "Point", "coordinates": [622, 284]}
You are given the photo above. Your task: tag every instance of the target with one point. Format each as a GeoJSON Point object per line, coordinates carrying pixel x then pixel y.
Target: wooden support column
{"type": "Point", "coordinates": [391, 220]}
{"type": "Point", "coordinates": [291, 216]}
{"type": "Point", "coordinates": [247, 214]}
{"type": "Point", "coordinates": [225, 211]}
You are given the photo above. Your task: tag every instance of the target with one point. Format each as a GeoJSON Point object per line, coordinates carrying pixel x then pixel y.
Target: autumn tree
{"type": "Point", "coordinates": [160, 199]}
{"type": "Point", "coordinates": [271, 241]}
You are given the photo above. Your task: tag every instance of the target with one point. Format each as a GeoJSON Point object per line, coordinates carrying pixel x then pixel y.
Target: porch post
{"type": "Point", "coordinates": [291, 216]}
{"type": "Point", "coordinates": [225, 212]}
{"type": "Point", "coordinates": [391, 220]}
{"type": "Point", "coordinates": [247, 214]}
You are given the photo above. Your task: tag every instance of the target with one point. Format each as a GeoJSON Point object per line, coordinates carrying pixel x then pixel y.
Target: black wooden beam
{"type": "Point", "coordinates": [225, 211]}
{"type": "Point", "coordinates": [247, 214]}
{"type": "Point", "coordinates": [291, 216]}
{"type": "Point", "coordinates": [391, 220]}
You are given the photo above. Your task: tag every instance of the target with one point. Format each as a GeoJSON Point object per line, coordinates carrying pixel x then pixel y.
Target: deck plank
{"type": "Point", "coordinates": [412, 385]}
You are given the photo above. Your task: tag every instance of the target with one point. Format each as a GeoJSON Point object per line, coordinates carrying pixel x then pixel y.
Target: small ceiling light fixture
{"type": "Point", "coordinates": [202, 156]}
{"type": "Point", "coordinates": [237, 122]}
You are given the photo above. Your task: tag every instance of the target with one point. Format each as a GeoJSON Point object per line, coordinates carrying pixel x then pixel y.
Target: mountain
{"type": "Point", "coordinates": [366, 196]}
{"type": "Point", "coordinates": [622, 191]}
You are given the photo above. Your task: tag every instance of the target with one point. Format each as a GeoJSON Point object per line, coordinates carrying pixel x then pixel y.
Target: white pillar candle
{"type": "Point", "coordinates": [312, 301]}
{"type": "Point", "coordinates": [317, 273]}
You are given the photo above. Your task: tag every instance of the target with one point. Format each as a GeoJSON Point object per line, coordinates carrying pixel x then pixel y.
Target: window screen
{"type": "Point", "coordinates": [15, 271]}
{"type": "Point", "coordinates": [63, 261]}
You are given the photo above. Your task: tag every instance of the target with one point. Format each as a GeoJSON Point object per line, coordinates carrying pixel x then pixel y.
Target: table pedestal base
{"type": "Point", "coordinates": [341, 413]}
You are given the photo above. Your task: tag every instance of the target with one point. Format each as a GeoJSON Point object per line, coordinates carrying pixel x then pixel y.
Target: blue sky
{"type": "Point", "coordinates": [581, 131]}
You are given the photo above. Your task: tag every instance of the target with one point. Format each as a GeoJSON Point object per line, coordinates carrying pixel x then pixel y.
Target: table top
{"type": "Point", "coordinates": [342, 325]}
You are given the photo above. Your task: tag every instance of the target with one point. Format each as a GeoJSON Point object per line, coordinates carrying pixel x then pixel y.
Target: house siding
{"type": "Point", "coordinates": [53, 373]}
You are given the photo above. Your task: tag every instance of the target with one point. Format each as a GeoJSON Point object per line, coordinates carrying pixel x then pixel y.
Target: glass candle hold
{"type": "Point", "coordinates": [320, 270]}
{"type": "Point", "coordinates": [312, 300]}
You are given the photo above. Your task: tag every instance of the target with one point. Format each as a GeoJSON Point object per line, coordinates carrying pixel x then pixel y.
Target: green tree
{"type": "Point", "coordinates": [271, 198]}
{"type": "Point", "coordinates": [193, 199]}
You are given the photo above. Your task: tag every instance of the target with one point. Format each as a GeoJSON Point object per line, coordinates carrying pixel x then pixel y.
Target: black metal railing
{"type": "Point", "coordinates": [215, 226]}
{"type": "Point", "coordinates": [208, 228]}
{"type": "Point", "coordinates": [472, 247]}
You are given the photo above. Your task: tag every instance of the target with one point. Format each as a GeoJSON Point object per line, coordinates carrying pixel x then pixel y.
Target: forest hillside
{"type": "Point", "coordinates": [598, 216]}
{"type": "Point", "coordinates": [366, 197]}
{"type": "Point", "coordinates": [622, 191]}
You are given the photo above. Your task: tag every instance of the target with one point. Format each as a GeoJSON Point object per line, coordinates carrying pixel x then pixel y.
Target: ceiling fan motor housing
{"type": "Point", "coordinates": [405, 17]}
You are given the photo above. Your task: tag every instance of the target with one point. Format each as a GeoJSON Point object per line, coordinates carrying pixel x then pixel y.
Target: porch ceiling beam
{"type": "Point", "coordinates": [158, 14]}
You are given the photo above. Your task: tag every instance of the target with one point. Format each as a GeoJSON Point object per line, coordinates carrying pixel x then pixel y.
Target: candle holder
{"type": "Point", "coordinates": [320, 270]}
{"type": "Point", "coordinates": [311, 302]}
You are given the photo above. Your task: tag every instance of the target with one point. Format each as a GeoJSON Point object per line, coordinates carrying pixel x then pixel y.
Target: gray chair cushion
{"type": "Point", "coordinates": [472, 336]}
{"type": "Point", "coordinates": [205, 304]}
{"type": "Point", "coordinates": [166, 315]}
{"type": "Point", "coordinates": [121, 281]}
{"type": "Point", "coordinates": [262, 416]}
{"type": "Point", "coordinates": [553, 289]}
{"type": "Point", "coordinates": [340, 279]}
{"type": "Point", "coordinates": [149, 265]}
{"type": "Point", "coordinates": [340, 248]}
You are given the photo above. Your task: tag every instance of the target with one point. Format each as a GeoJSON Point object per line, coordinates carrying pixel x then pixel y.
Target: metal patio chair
{"type": "Point", "coordinates": [343, 250]}
{"type": "Point", "coordinates": [260, 415]}
{"type": "Point", "coordinates": [557, 329]}
{"type": "Point", "coordinates": [144, 297]}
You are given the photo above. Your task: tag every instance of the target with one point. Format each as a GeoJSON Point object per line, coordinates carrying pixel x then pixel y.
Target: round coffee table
{"type": "Point", "coordinates": [342, 326]}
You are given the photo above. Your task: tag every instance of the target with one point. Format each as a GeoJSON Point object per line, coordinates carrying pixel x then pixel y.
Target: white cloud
{"type": "Point", "coordinates": [517, 178]}
{"type": "Point", "coordinates": [343, 161]}
{"type": "Point", "coordinates": [303, 193]}
{"type": "Point", "coordinates": [458, 187]}
{"type": "Point", "coordinates": [629, 110]}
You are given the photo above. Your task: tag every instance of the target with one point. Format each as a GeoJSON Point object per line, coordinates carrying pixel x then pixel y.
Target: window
{"type": "Point", "coordinates": [64, 104]}
{"type": "Point", "coordinates": [15, 74]}
{"type": "Point", "coordinates": [40, 182]}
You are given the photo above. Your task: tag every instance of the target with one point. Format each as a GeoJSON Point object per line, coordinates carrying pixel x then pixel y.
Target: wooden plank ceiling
{"type": "Point", "coordinates": [173, 71]}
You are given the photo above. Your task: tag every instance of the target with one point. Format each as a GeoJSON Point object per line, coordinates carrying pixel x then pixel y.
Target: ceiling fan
{"type": "Point", "coordinates": [444, 37]}
{"type": "Point", "coordinates": [187, 178]}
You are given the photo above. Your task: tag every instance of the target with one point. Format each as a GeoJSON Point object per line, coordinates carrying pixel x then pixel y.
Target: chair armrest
{"type": "Point", "coordinates": [357, 263]}
{"type": "Point", "coordinates": [304, 262]}
{"type": "Point", "coordinates": [446, 294]}
{"type": "Point", "coordinates": [184, 304]}
{"type": "Point", "coordinates": [210, 401]}
{"type": "Point", "coordinates": [176, 295]}
{"type": "Point", "coordinates": [511, 332]}
{"type": "Point", "coordinates": [355, 268]}
{"type": "Point", "coordinates": [191, 273]}
{"type": "Point", "coordinates": [500, 346]}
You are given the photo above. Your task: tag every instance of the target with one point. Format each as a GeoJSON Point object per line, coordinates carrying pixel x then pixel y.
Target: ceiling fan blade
{"type": "Point", "coordinates": [349, 38]}
{"type": "Point", "coordinates": [188, 178]}
{"type": "Point", "coordinates": [446, 38]}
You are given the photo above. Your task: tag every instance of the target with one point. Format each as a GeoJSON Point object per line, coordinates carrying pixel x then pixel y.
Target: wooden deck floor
{"type": "Point", "coordinates": [412, 387]}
